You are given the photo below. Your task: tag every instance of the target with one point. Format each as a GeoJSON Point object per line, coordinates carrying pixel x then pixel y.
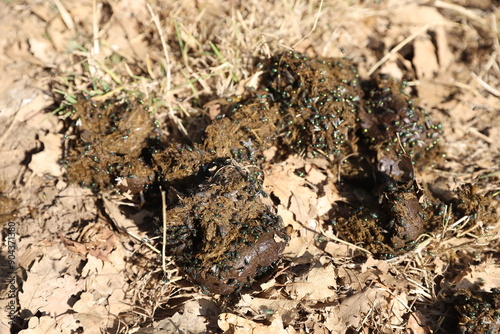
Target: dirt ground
{"type": "Point", "coordinates": [89, 260]}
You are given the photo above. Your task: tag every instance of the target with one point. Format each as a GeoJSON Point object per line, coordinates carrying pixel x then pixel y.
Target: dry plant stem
{"type": "Point", "coordinates": [344, 242]}
{"type": "Point", "coordinates": [95, 27]}
{"type": "Point", "coordinates": [397, 48]}
{"type": "Point", "coordinates": [485, 85]}
{"type": "Point", "coordinates": [479, 135]}
{"type": "Point", "coordinates": [164, 46]}
{"type": "Point", "coordinates": [461, 10]}
{"type": "Point", "coordinates": [496, 42]}
{"type": "Point", "coordinates": [421, 287]}
{"type": "Point", "coordinates": [164, 215]}
{"type": "Point", "coordinates": [66, 17]}
{"type": "Point", "coordinates": [136, 237]}
{"type": "Point", "coordinates": [313, 28]}
{"type": "Point", "coordinates": [168, 66]}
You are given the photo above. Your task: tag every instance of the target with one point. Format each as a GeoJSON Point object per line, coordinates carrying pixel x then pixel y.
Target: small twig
{"type": "Point", "coordinates": [485, 85]}
{"type": "Point", "coordinates": [494, 31]}
{"type": "Point", "coordinates": [138, 238]}
{"type": "Point", "coordinates": [397, 48]}
{"type": "Point", "coordinates": [461, 10]}
{"type": "Point", "coordinates": [476, 133]}
{"type": "Point", "coordinates": [331, 237]}
{"type": "Point", "coordinates": [66, 17]}
{"type": "Point", "coordinates": [164, 243]}
{"type": "Point", "coordinates": [422, 289]}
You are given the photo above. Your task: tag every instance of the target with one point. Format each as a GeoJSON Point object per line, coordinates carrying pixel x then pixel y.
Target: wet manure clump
{"type": "Point", "coordinates": [111, 144]}
{"type": "Point", "coordinates": [219, 228]}
{"type": "Point", "coordinates": [223, 235]}
{"type": "Point", "coordinates": [478, 312]}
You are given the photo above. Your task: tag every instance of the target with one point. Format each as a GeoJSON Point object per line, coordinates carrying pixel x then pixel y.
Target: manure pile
{"type": "Point", "coordinates": [222, 228]}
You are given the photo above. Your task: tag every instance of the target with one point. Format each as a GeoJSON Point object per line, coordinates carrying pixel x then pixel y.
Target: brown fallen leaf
{"type": "Point", "coordinates": [285, 308]}
{"type": "Point", "coordinates": [355, 307]}
{"type": "Point", "coordinates": [485, 274]}
{"type": "Point", "coordinates": [425, 59]}
{"type": "Point", "coordinates": [239, 325]}
{"type": "Point", "coordinates": [76, 247]}
{"type": "Point", "coordinates": [417, 324]}
{"type": "Point", "coordinates": [46, 162]}
{"type": "Point", "coordinates": [191, 320]}
{"type": "Point", "coordinates": [46, 289]}
{"type": "Point", "coordinates": [316, 285]}
{"type": "Point", "coordinates": [97, 240]}
{"type": "Point", "coordinates": [45, 325]}
{"type": "Point", "coordinates": [91, 314]}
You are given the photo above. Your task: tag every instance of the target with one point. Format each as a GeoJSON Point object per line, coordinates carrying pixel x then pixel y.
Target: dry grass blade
{"type": "Point", "coordinates": [313, 27]}
{"type": "Point", "coordinates": [165, 48]}
{"type": "Point", "coordinates": [461, 10]}
{"type": "Point", "coordinates": [164, 231]}
{"type": "Point", "coordinates": [485, 85]}
{"type": "Point", "coordinates": [65, 15]}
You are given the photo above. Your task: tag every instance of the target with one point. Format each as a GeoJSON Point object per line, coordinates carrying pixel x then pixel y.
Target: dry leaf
{"type": "Point", "coordinates": [313, 174]}
{"type": "Point", "coordinates": [190, 321]}
{"type": "Point", "coordinates": [353, 308]}
{"type": "Point", "coordinates": [42, 325]}
{"type": "Point", "coordinates": [381, 265]}
{"type": "Point", "coordinates": [45, 162]}
{"type": "Point", "coordinates": [440, 266]}
{"type": "Point", "coordinates": [91, 315]}
{"type": "Point", "coordinates": [124, 223]}
{"type": "Point", "coordinates": [486, 275]}
{"type": "Point", "coordinates": [301, 247]}
{"type": "Point", "coordinates": [284, 308]}
{"type": "Point", "coordinates": [46, 290]}
{"type": "Point", "coordinates": [239, 325]}
{"type": "Point", "coordinates": [43, 50]}
{"type": "Point", "coordinates": [74, 246]}
{"type": "Point", "coordinates": [332, 322]}
{"type": "Point", "coordinates": [281, 180]}
{"type": "Point", "coordinates": [445, 56]}
{"type": "Point", "coordinates": [99, 240]}
{"type": "Point", "coordinates": [413, 14]}
{"type": "Point", "coordinates": [316, 285]}
{"type": "Point", "coordinates": [417, 324]}
{"type": "Point", "coordinates": [425, 59]}
{"type": "Point", "coordinates": [104, 277]}
{"type": "Point", "coordinates": [337, 249]}
{"type": "Point", "coordinates": [118, 302]}
{"type": "Point", "coordinates": [397, 309]}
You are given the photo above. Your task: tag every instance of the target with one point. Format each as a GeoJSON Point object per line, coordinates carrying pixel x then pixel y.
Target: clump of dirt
{"type": "Point", "coordinates": [220, 231]}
